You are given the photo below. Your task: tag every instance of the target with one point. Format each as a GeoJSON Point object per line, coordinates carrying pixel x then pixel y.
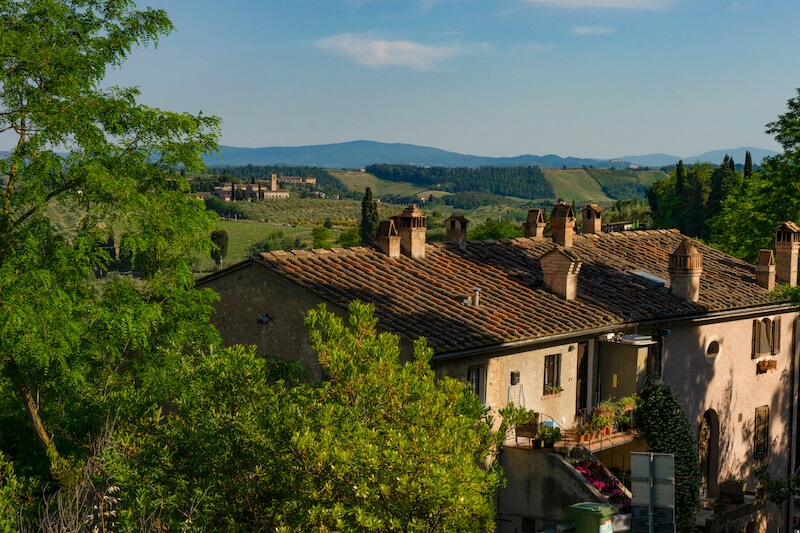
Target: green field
{"type": "Point", "coordinates": [576, 184]}
{"type": "Point", "coordinates": [359, 181]}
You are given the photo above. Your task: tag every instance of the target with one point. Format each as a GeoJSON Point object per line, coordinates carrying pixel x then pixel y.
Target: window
{"type": "Point", "coordinates": [713, 350]}
{"type": "Point", "coordinates": [476, 376]}
{"type": "Point", "coordinates": [654, 358]}
{"type": "Point", "coordinates": [766, 337]}
{"type": "Point", "coordinates": [762, 432]}
{"type": "Point", "coordinates": [528, 524]}
{"type": "Point", "coordinates": [552, 373]}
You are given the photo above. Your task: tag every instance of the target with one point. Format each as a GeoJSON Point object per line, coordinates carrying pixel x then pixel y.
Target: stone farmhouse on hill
{"type": "Point", "coordinates": [558, 323]}
{"type": "Point", "coordinates": [260, 190]}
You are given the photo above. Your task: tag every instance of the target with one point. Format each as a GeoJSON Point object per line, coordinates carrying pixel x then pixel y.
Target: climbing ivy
{"type": "Point", "coordinates": [668, 431]}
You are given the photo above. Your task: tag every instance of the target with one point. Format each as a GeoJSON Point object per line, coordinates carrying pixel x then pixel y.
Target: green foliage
{"type": "Point", "coordinates": [668, 431]}
{"type": "Point", "coordinates": [387, 446]}
{"type": "Point", "coordinates": [370, 218]}
{"type": "Point", "coordinates": [521, 182]}
{"type": "Point", "coordinates": [621, 184]}
{"type": "Point", "coordinates": [349, 237]}
{"type": "Point", "coordinates": [277, 240]}
{"type": "Point", "coordinates": [74, 350]}
{"type": "Point", "coordinates": [684, 207]}
{"type": "Point", "coordinates": [495, 229]}
{"type": "Point", "coordinates": [220, 240]}
{"type": "Point", "coordinates": [321, 237]}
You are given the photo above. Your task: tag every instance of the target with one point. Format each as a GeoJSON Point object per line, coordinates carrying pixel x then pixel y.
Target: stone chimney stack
{"type": "Point", "coordinates": [456, 231]}
{"type": "Point", "coordinates": [273, 182]}
{"type": "Point", "coordinates": [787, 245]}
{"type": "Point", "coordinates": [534, 226]}
{"type": "Point", "coordinates": [562, 224]}
{"type": "Point", "coordinates": [592, 219]}
{"type": "Point", "coordinates": [411, 227]}
{"type": "Point", "coordinates": [387, 239]}
{"type": "Point", "coordinates": [560, 267]}
{"type": "Point", "coordinates": [765, 270]}
{"type": "Point", "coordinates": [685, 269]}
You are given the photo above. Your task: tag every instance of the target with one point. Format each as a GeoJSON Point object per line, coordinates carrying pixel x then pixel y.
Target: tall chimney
{"type": "Point", "coordinates": [534, 226]}
{"type": "Point", "coordinates": [411, 227]}
{"type": "Point", "coordinates": [685, 269]}
{"type": "Point", "coordinates": [592, 219]}
{"type": "Point", "coordinates": [765, 270]}
{"type": "Point", "coordinates": [456, 231]}
{"type": "Point", "coordinates": [562, 224]}
{"type": "Point", "coordinates": [787, 245]}
{"type": "Point", "coordinates": [560, 267]}
{"type": "Point", "coordinates": [387, 239]}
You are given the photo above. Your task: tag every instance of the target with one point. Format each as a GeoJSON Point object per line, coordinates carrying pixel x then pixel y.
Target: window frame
{"type": "Point", "coordinates": [476, 378]}
{"type": "Point", "coordinates": [552, 371]}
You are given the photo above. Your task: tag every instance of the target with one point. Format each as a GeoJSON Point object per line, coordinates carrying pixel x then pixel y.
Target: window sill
{"type": "Point", "coordinates": [553, 395]}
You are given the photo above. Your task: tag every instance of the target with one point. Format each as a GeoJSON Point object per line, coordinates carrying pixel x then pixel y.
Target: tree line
{"type": "Point", "coordinates": [523, 182]}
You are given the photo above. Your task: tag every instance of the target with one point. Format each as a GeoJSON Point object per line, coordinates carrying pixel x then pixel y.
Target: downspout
{"type": "Point", "coordinates": [793, 422]}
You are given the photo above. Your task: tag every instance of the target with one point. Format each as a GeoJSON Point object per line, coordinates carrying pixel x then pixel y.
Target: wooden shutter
{"type": "Point", "coordinates": [756, 338]}
{"type": "Point", "coordinates": [776, 336]}
{"type": "Point", "coordinates": [654, 359]}
{"type": "Point", "coordinates": [762, 432]}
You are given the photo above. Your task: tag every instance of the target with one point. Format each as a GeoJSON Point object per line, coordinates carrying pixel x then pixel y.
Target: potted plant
{"type": "Point", "coordinates": [602, 423]}
{"type": "Point", "coordinates": [628, 403]}
{"type": "Point", "coordinates": [550, 435]}
{"type": "Point", "coordinates": [530, 428]}
{"type": "Point", "coordinates": [733, 490]}
{"type": "Point", "coordinates": [583, 433]}
{"type": "Point", "coordinates": [552, 390]}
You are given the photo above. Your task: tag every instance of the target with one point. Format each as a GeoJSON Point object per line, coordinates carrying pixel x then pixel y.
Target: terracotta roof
{"type": "Point", "coordinates": [426, 297]}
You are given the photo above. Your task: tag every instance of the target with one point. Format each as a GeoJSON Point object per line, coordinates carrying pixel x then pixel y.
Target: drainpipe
{"type": "Point", "coordinates": [793, 421]}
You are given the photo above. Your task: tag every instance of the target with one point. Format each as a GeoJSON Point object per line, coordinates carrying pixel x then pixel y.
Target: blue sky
{"type": "Point", "coordinates": [587, 78]}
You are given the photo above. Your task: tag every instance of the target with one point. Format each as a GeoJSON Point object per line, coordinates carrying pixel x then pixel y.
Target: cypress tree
{"type": "Point", "coordinates": [748, 164]}
{"type": "Point", "coordinates": [680, 177]}
{"type": "Point", "coordinates": [370, 219]}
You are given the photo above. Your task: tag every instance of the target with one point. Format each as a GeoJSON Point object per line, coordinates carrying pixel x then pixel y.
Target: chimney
{"type": "Point", "coordinates": [685, 268]}
{"type": "Point", "coordinates": [592, 219]}
{"type": "Point", "coordinates": [560, 267]}
{"type": "Point", "coordinates": [534, 227]}
{"type": "Point", "coordinates": [387, 239]}
{"type": "Point", "coordinates": [765, 270]}
{"type": "Point", "coordinates": [456, 231]}
{"type": "Point", "coordinates": [273, 182]}
{"type": "Point", "coordinates": [787, 244]}
{"type": "Point", "coordinates": [411, 227]}
{"type": "Point", "coordinates": [476, 297]}
{"type": "Point", "coordinates": [562, 224]}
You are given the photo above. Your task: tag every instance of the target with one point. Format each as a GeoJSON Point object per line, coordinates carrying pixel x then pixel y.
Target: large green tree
{"type": "Point", "coordinates": [381, 445]}
{"type": "Point", "coordinates": [72, 350]}
{"type": "Point", "coordinates": [770, 196]}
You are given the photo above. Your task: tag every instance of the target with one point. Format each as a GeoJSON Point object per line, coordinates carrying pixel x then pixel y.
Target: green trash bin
{"type": "Point", "coordinates": [593, 517]}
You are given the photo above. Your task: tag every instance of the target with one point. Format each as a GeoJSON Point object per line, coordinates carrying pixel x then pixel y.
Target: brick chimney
{"type": "Point", "coordinates": [685, 269]}
{"type": "Point", "coordinates": [560, 267]}
{"type": "Point", "coordinates": [387, 239]}
{"type": "Point", "coordinates": [787, 245]}
{"type": "Point", "coordinates": [411, 227]}
{"type": "Point", "coordinates": [562, 224]}
{"type": "Point", "coordinates": [592, 219]}
{"type": "Point", "coordinates": [456, 231]}
{"type": "Point", "coordinates": [534, 226]}
{"type": "Point", "coordinates": [765, 270]}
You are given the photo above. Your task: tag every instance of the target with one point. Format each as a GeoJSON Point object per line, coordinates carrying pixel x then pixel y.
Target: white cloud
{"type": "Point", "coordinates": [606, 4]}
{"type": "Point", "coordinates": [372, 52]}
{"type": "Point", "coordinates": [593, 30]}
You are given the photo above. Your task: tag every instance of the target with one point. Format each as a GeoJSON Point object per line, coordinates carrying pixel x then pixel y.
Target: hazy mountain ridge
{"type": "Point", "coordinates": [358, 154]}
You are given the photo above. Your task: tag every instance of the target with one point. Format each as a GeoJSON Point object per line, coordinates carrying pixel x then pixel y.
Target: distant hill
{"type": "Point", "coordinates": [714, 156]}
{"type": "Point", "coordinates": [359, 154]}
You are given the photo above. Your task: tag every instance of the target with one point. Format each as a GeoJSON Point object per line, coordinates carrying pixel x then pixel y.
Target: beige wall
{"type": "Point", "coordinates": [530, 391]}
{"type": "Point", "coordinates": [627, 363]}
{"type": "Point", "coordinates": [251, 291]}
{"type": "Point", "coordinates": [731, 386]}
